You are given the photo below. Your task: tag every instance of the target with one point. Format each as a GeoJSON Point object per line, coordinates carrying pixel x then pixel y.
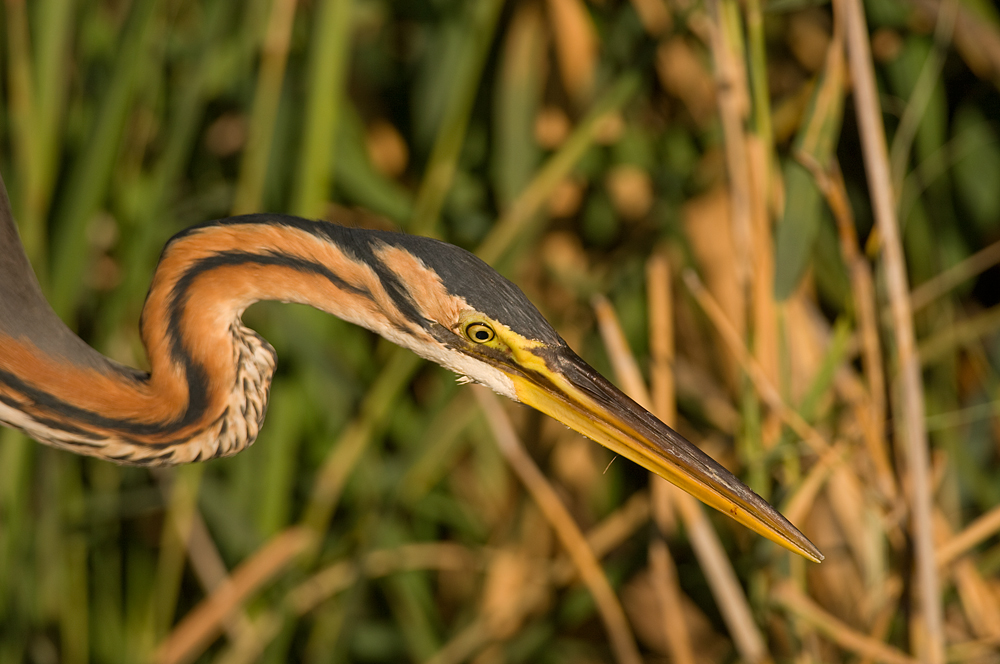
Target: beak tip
{"type": "Point", "coordinates": [816, 556]}
{"type": "Point", "coordinates": [801, 545]}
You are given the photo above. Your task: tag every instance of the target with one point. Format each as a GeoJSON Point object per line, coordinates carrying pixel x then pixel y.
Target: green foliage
{"type": "Point", "coordinates": [977, 172]}
{"type": "Point", "coordinates": [797, 230]}
{"type": "Point", "coordinates": [123, 122]}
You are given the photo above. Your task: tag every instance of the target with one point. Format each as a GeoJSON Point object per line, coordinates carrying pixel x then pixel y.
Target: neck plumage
{"type": "Point", "coordinates": [206, 392]}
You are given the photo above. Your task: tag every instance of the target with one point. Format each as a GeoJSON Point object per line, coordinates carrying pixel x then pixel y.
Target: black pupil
{"type": "Point", "coordinates": [482, 335]}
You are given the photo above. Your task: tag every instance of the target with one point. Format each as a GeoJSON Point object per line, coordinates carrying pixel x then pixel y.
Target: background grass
{"type": "Point", "coordinates": [609, 147]}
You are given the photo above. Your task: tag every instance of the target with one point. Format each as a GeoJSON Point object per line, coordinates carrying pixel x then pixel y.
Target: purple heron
{"type": "Point", "coordinates": [206, 393]}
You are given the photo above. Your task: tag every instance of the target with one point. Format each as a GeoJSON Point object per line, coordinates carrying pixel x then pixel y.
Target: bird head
{"type": "Point", "coordinates": [483, 327]}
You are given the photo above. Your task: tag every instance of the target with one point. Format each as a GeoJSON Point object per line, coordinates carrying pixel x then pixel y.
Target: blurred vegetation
{"type": "Point", "coordinates": [567, 142]}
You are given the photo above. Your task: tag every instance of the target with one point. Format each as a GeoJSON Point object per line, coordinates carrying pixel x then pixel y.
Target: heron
{"type": "Point", "coordinates": [205, 394]}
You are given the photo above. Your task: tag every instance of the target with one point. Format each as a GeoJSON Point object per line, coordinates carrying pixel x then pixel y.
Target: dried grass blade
{"type": "Point", "coordinates": [202, 624]}
{"type": "Point", "coordinates": [576, 46]}
{"type": "Point", "coordinates": [982, 528]}
{"type": "Point", "coordinates": [722, 579]}
{"type": "Point", "coordinates": [208, 566]}
{"type": "Point", "coordinates": [830, 181]}
{"type": "Point", "coordinates": [622, 641]}
{"type": "Point", "coordinates": [788, 597]}
{"type": "Point", "coordinates": [659, 288]}
{"type": "Point", "coordinates": [664, 574]}
{"type": "Point", "coordinates": [734, 104]}
{"type": "Point", "coordinates": [606, 535]}
{"type": "Point", "coordinates": [972, 266]}
{"type": "Point", "coordinates": [800, 503]}
{"type": "Point", "coordinates": [960, 333]}
{"type": "Point", "coordinates": [754, 371]}
{"type": "Point", "coordinates": [911, 382]}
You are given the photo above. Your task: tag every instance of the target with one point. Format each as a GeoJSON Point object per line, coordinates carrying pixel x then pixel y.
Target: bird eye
{"type": "Point", "coordinates": [480, 333]}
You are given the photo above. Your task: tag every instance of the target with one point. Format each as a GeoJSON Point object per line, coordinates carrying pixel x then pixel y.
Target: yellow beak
{"type": "Point", "coordinates": [560, 384]}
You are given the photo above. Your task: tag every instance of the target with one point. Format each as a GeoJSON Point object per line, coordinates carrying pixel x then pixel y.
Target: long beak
{"type": "Point", "coordinates": [566, 388]}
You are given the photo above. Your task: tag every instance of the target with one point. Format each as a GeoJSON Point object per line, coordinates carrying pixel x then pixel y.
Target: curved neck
{"type": "Point", "coordinates": [200, 354]}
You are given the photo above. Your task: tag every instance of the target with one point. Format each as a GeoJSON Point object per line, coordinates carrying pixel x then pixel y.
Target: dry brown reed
{"type": "Point", "coordinates": [663, 146]}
